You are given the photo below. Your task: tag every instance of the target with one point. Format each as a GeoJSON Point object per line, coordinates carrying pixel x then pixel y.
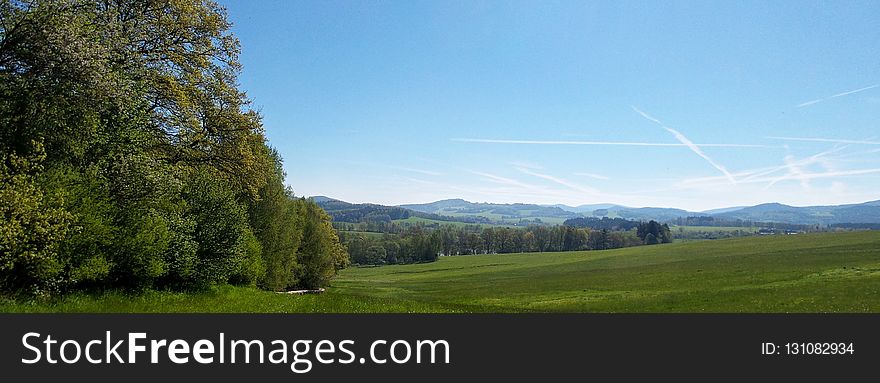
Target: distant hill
{"type": "Point", "coordinates": [722, 210]}
{"type": "Point", "coordinates": [342, 211]}
{"type": "Point", "coordinates": [861, 215]}
{"type": "Point", "coordinates": [868, 212]}
{"type": "Point", "coordinates": [587, 208]}
{"type": "Point", "coordinates": [509, 213]}
{"type": "Point", "coordinates": [648, 213]}
{"type": "Point", "coordinates": [633, 213]}
{"type": "Point", "coordinates": [864, 213]}
{"type": "Point", "coordinates": [322, 199]}
{"type": "Point", "coordinates": [438, 205]}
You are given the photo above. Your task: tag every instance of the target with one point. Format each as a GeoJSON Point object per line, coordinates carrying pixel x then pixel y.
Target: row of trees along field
{"type": "Point", "coordinates": [418, 244]}
{"type": "Point", "coordinates": [130, 159]}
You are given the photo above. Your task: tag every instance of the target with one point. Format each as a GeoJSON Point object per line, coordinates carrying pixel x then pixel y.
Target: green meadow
{"type": "Point", "coordinates": [828, 272]}
{"type": "Point", "coordinates": [722, 229]}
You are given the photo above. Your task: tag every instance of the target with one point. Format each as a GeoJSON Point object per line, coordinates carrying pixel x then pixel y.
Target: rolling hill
{"type": "Point", "coordinates": [493, 211]}
{"type": "Point", "coordinates": [868, 212]}
{"type": "Point", "coordinates": [459, 210]}
{"type": "Point", "coordinates": [342, 211]}
{"type": "Point", "coordinates": [863, 213]}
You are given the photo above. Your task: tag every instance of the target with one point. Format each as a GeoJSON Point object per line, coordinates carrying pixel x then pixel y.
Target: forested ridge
{"type": "Point", "coordinates": [129, 157]}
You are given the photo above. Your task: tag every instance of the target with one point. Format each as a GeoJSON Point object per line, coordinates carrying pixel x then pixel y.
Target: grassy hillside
{"type": "Point", "coordinates": [814, 273]}
{"type": "Point", "coordinates": [829, 272]}
{"type": "Point", "coordinates": [495, 213]}
{"type": "Point", "coordinates": [724, 229]}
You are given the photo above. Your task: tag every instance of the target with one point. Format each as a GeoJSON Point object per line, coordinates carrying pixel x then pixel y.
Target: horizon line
{"type": "Point", "coordinates": [597, 203]}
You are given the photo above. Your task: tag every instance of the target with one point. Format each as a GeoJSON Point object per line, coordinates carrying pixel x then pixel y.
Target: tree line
{"type": "Point", "coordinates": [129, 157]}
{"type": "Point", "coordinates": [420, 244]}
{"type": "Point", "coordinates": [379, 215]}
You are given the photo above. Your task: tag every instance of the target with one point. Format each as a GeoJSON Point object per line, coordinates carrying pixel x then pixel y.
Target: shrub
{"type": "Point", "coordinates": [221, 231]}
{"type": "Point", "coordinates": [320, 254]}
{"type": "Point", "coordinates": [32, 225]}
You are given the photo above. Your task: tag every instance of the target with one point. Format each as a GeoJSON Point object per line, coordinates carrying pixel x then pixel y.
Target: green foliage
{"type": "Point", "coordinates": [425, 244]}
{"type": "Point", "coordinates": [250, 268]}
{"type": "Point", "coordinates": [32, 225]}
{"type": "Point", "coordinates": [652, 233]}
{"type": "Point", "coordinates": [376, 255]}
{"type": "Point", "coordinates": [140, 249]}
{"type": "Point", "coordinates": [181, 257]}
{"type": "Point", "coordinates": [320, 254]}
{"type": "Point", "coordinates": [277, 223]}
{"type": "Point", "coordinates": [155, 171]}
{"type": "Point", "coordinates": [222, 232]}
{"type": "Point", "coordinates": [88, 248]}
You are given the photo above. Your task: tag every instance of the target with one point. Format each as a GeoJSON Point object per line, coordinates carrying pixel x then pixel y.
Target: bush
{"type": "Point", "coordinates": [87, 249]}
{"type": "Point", "coordinates": [181, 259]}
{"type": "Point", "coordinates": [32, 225]}
{"type": "Point", "coordinates": [225, 246]}
{"type": "Point", "coordinates": [320, 254]}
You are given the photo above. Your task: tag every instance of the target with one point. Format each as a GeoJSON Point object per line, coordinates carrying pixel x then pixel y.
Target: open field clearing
{"type": "Point", "coordinates": [831, 272]}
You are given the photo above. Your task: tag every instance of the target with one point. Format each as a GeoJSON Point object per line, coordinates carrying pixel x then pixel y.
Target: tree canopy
{"type": "Point", "coordinates": [129, 156]}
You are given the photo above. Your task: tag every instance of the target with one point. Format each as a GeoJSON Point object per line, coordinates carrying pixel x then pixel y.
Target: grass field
{"type": "Point", "coordinates": [675, 228]}
{"type": "Point", "coordinates": [830, 272]}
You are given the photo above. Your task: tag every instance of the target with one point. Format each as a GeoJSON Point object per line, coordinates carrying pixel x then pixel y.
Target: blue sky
{"type": "Point", "coordinates": [695, 105]}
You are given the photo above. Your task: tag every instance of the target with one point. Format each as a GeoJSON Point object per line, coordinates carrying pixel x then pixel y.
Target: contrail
{"type": "Point", "coordinates": [832, 140]}
{"type": "Point", "coordinates": [559, 181]}
{"type": "Point", "coordinates": [593, 175]}
{"type": "Point", "coordinates": [709, 181]}
{"type": "Point", "coordinates": [816, 101]}
{"type": "Point", "coordinates": [687, 142]}
{"type": "Point", "coordinates": [751, 174]}
{"type": "Point", "coordinates": [420, 171]}
{"type": "Point", "coordinates": [646, 115]}
{"type": "Point", "coordinates": [600, 143]}
{"type": "Point", "coordinates": [696, 149]}
{"type": "Point", "coordinates": [802, 177]}
{"type": "Point", "coordinates": [503, 180]}
{"type": "Point", "coordinates": [808, 103]}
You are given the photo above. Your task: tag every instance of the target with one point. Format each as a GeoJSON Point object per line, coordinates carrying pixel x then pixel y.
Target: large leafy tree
{"type": "Point", "coordinates": [131, 158]}
{"type": "Point", "coordinates": [321, 254]}
{"type": "Point", "coordinates": [91, 77]}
